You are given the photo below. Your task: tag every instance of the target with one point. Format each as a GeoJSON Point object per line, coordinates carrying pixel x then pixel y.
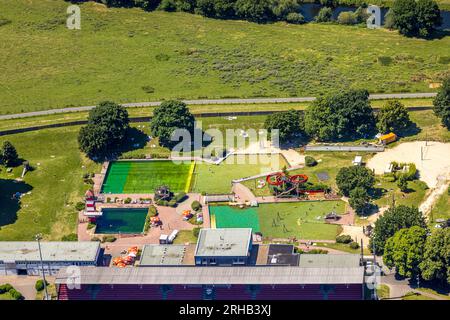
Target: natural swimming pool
{"type": "Point", "coordinates": [123, 220]}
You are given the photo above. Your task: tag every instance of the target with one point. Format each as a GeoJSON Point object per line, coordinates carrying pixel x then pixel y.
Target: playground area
{"type": "Point", "coordinates": [302, 220]}
{"type": "Point", "coordinates": [213, 179]}
{"type": "Point", "coordinates": [143, 176]}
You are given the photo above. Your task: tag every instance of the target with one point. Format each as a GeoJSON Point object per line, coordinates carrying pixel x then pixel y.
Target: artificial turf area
{"type": "Point", "coordinates": [145, 176]}
{"type": "Point", "coordinates": [217, 178]}
{"type": "Point", "coordinates": [230, 217]}
{"type": "Point", "coordinates": [303, 220]}
{"type": "Point", "coordinates": [149, 56]}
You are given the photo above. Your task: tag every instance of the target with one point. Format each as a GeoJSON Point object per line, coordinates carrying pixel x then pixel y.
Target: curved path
{"type": "Point", "coordinates": [214, 101]}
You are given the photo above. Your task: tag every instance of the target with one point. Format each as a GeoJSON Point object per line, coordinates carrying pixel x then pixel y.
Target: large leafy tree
{"type": "Point", "coordinates": [8, 154]}
{"type": "Point", "coordinates": [342, 115]}
{"type": "Point", "coordinates": [404, 251]}
{"type": "Point", "coordinates": [168, 117]}
{"type": "Point", "coordinates": [436, 257]}
{"type": "Point", "coordinates": [282, 8]}
{"type": "Point", "coordinates": [415, 18]}
{"type": "Point", "coordinates": [393, 117]}
{"type": "Point", "coordinates": [393, 220]}
{"type": "Point", "coordinates": [254, 10]}
{"type": "Point", "coordinates": [289, 123]}
{"type": "Point", "coordinates": [442, 103]}
{"type": "Point", "coordinates": [359, 200]}
{"type": "Point", "coordinates": [105, 131]}
{"type": "Point", "coordinates": [349, 178]}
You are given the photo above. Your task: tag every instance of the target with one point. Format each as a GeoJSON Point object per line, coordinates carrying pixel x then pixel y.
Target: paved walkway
{"type": "Point", "coordinates": [398, 288]}
{"type": "Point", "coordinates": [214, 101]}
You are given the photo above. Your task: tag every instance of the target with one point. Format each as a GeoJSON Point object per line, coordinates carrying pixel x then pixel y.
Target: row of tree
{"type": "Point", "coordinates": [417, 18]}
{"type": "Point", "coordinates": [108, 127]}
{"type": "Point", "coordinates": [344, 115]}
{"type": "Point", "coordinates": [402, 237]}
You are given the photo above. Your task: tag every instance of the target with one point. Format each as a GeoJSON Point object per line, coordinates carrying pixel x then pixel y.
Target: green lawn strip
{"type": "Point", "coordinates": [56, 184]}
{"type": "Point", "coordinates": [303, 220]}
{"type": "Point", "coordinates": [342, 247]}
{"type": "Point", "coordinates": [383, 291]}
{"type": "Point", "coordinates": [230, 217]}
{"type": "Point", "coordinates": [441, 210]}
{"type": "Point", "coordinates": [185, 236]}
{"type": "Point", "coordinates": [432, 291]}
{"type": "Point", "coordinates": [150, 56]}
{"type": "Point", "coordinates": [415, 296]}
{"type": "Point", "coordinates": [197, 110]}
{"type": "Point", "coordinates": [51, 289]}
{"type": "Point", "coordinates": [217, 178]}
{"type": "Point", "coordinates": [386, 192]}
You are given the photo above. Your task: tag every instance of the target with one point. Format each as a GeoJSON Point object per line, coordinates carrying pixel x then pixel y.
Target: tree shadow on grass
{"type": "Point", "coordinates": [9, 205]}
{"type": "Point", "coordinates": [135, 139]}
{"type": "Point", "coordinates": [412, 130]}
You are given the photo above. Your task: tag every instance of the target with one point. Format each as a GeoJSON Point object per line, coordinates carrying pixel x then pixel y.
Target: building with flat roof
{"type": "Point", "coordinates": [230, 246]}
{"type": "Point", "coordinates": [218, 283]}
{"type": "Point", "coordinates": [167, 255]}
{"type": "Point", "coordinates": [22, 257]}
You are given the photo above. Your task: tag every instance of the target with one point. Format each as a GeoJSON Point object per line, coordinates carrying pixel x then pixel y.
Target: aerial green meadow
{"type": "Point", "coordinates": [128, 55]}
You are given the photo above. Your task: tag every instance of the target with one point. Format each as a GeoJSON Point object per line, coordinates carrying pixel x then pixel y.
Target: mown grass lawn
{"type": "Point", "coordinates": [54, 186]}
{"type": "Point", "coordinates": [129, 55]}
{"type": "Point", "coordinates": [386, 192]}
{"type": "Point", "coordinates": [303, 220]}
{"type": "Point", "coordinates": [441, 210]}
{"type": "Point", "coordinates": [217, 178]}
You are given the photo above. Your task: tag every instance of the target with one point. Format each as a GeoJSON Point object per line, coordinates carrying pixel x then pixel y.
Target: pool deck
{"type": "Point", "coordinates": [170, 217]}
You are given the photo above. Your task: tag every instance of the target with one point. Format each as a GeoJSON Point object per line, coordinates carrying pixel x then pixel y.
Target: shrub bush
{"type": "Point", "coordinates": [96, 239]}
{"type": "Point", "coordinates": [70, 237]}
{"type": "Point", "coordinates": [152, 211]}
{"type": "Point", "coordinates": [310, 161]}
{"type": "Point", "coordinates": [347, 17]}
{"type": "Point", "coordinates": [109, 239]}
{"type": "Point", "coordinates": [172, 203]}
{"type": "Point", "coordinates": [354, 245]}
{"type": "Point", "coordinates": [345, 238]}
{"type": "Point", "coordinates": [5, 288]}
{"type": "Point", "coordinates": [127, 200]}
{"type": "Point", "coordinates": [16, 295]}
{"type": "Point", "coordinates": [163, 203]}
{"type": "Point", "coordinates": [90, 225]}
{"type": "Point", "coordinates": [295, 17]}
{"type": "Point", "coordinates": [79, 206]}
{"type": "Point", "coordinates": [39, 286]}
{"type": "Point", "coordinates": [179, 197]}
{"type": "Point", "coordinates": [196, 205]}
{"type": "Point", "coordinates": [196, 231]}
{"type": "Point", "coordinates": [325, 14]}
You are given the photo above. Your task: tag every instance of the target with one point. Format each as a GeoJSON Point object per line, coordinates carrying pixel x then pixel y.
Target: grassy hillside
{"type": "Point", "coordinates": [131, 55]}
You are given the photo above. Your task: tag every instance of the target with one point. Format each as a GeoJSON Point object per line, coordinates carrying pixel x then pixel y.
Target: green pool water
{"type": "Point", "coordinates": [121, 221]}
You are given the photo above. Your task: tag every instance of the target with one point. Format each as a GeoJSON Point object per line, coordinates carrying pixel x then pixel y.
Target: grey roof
{"type": "Point", "coordinates": [223, 242]}
{"type": "Point", "coordinates": [169, 255]}
{"type": "Point", "coordinates": [51, 251]}
{"type": "Point", "coordinates": [329, 260]}
{"type": "Point", "coordinates": [192, 275]}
